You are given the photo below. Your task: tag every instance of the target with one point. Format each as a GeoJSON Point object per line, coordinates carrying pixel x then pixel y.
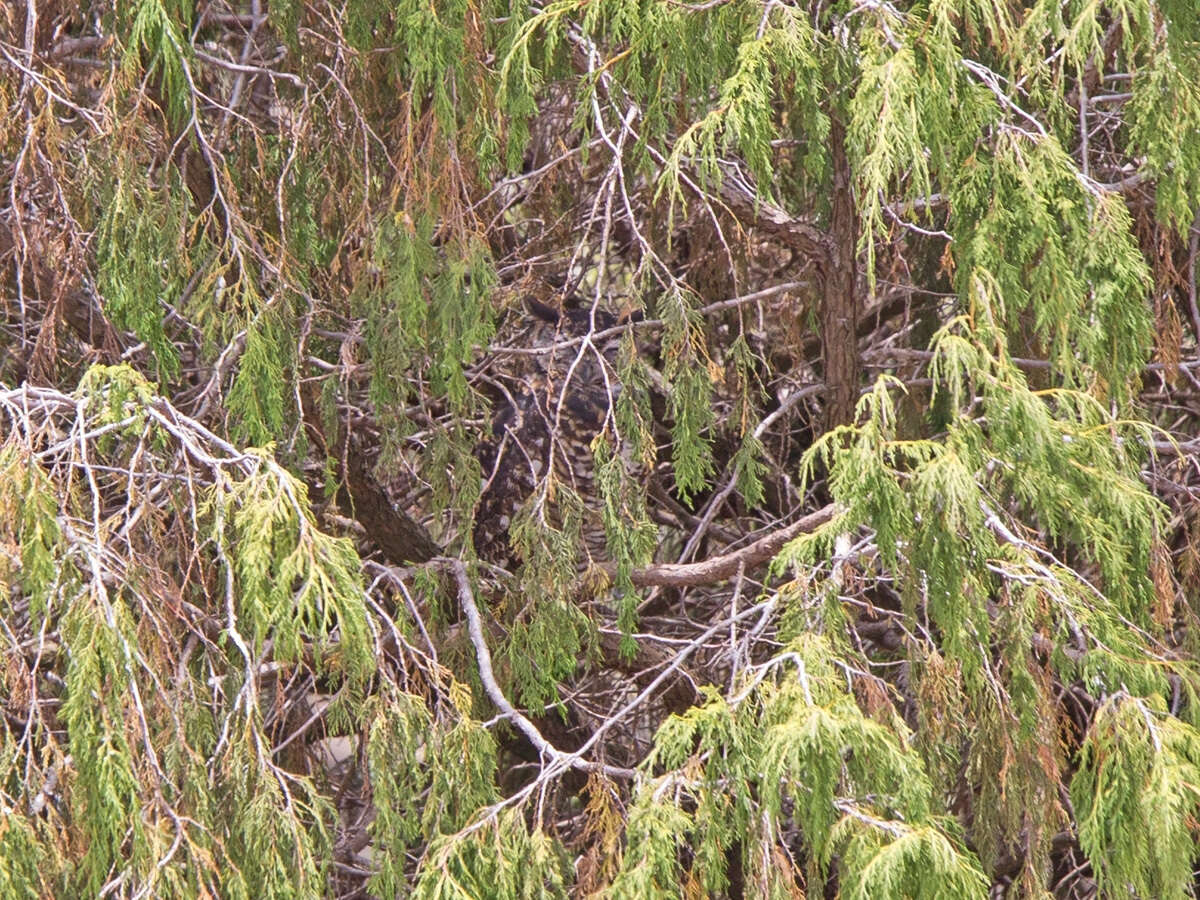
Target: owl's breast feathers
{"type": "Point", "coordinates": [547, 418]}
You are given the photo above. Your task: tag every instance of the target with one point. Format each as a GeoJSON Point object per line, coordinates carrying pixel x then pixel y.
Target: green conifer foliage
{"type": "Point", "coordinates": [599, 448]}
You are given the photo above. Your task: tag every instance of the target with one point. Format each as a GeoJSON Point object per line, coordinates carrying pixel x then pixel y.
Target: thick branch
{"type": "Point", "coordinates": [748, 206]}
{"type": "Point", "coordinates": [720, 568]}
{"type": "Point", "coordinates": [400, 537]}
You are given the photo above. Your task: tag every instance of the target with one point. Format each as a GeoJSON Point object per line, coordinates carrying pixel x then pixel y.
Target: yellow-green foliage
{"type": "Point", "coordinates": [428, 779]}
{"type": "Point", "coordinates": [504, 858]}
{"type": "Point", "coordinates": [1136, 798]}
{"type": "Point", "coordinates": [293, 582]}
{"type": "Point", "coordinates": [792, 749]}
{"type": "Point", "coordinates": [360, 223]}
{"type": "Point", "coordinates": [156, 781]}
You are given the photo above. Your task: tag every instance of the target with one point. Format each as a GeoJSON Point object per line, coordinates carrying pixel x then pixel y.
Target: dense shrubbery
{"type": "Point", "coordinates": [827, 372]}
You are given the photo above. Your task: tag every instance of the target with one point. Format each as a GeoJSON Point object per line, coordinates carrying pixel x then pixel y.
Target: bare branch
{"type": "Point", "coordinates": [483, 657]}
{"type": "Point", "coordinates": [726, 566]}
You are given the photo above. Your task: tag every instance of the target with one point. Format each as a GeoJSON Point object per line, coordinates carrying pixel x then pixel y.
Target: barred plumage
{"type": "Point", "coordinates": [546, 419]}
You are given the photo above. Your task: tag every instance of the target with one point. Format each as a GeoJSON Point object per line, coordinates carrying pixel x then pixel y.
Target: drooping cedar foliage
{"type": "Point", "coordinates": [826, 375]}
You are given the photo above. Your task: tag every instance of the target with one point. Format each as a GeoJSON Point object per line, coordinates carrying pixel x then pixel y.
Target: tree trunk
{"type": "Point", "coordinates": [840, 303]}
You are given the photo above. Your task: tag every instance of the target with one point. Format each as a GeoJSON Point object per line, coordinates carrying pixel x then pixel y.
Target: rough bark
{"type": "Point", "coordinates": [721, 568]}
{"type": "Point", "coordinates": [840, 301]}
{"type": "Point", "coordinates": [363, 498]}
